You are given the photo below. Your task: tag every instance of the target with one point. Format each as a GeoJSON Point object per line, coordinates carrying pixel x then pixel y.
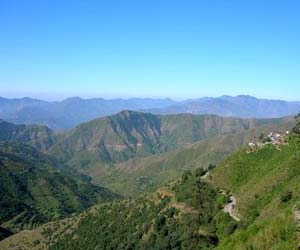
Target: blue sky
{"type": "Point", "coordinates": [150, 48]}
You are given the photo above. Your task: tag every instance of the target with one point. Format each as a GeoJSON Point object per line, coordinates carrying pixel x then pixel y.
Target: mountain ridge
{"type": "Point", "coordinates": [66, 114]}
{"type": "Point", "coordinates": [128, 134]}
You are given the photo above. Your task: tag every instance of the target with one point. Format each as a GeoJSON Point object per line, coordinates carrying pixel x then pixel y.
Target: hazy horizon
{"type": "Point", "coordinates": [64, 97]}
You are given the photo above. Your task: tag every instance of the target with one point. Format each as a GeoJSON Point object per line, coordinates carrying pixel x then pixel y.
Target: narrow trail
{"type": "Point", "coordinates": [296, 211]}
{"type": "Point", "coordinates": [230, 206]}
{"type": "Point", "coordinates": [203, 177]}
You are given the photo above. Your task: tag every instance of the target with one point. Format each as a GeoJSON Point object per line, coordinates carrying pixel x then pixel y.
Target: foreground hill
{"type": "Point", "coordinates": [40, 137]}
{"type": "Point", "coordinates": [34, 188]}
{"type": "Point", "coordinates": [128, 134]}
{"type": "Point", "coordinates": [266, 185]}
{"type": "Point", "coordinates": [185, 214]}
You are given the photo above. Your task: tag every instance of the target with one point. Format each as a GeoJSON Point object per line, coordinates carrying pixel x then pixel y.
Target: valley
{"type": "Point", "coordinates": [148, 180]}
{"type": "Point", "coordinates": [149, 125]}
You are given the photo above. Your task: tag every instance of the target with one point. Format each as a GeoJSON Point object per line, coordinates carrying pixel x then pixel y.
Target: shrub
{"type": "Point", "coordinates": [160, 222]}
{"type": "Point", "coordinates": [286, 196]}
{"type": "Point", "coordinates": [211, 167]}
{"type": "Point", "coordinates": [200, 172]}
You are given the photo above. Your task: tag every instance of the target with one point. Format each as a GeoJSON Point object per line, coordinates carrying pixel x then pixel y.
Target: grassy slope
{"type": "Point", "coordinates": [259, 180]}
{"type": "Point", "coordinates": [35, 188]}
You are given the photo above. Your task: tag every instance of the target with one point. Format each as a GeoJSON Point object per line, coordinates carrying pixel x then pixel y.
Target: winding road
{"type": "Point", "coordinates": [230, 206]}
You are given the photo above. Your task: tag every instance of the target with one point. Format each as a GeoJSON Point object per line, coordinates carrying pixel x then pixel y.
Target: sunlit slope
{"type": "Point", "coordinates": [129, 134]}
{"type": "Point", "coordinates": [186, 214]}
{"type": "Point", "coordinates": [142, 174]}
{"type": "Point", "coordinates": [266, 184]}
{"type": "Point", "coordinates": [40, 137]}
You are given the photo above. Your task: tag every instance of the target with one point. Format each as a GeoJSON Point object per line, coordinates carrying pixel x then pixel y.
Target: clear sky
{"type": "Point", "coordinates": [150, 48]}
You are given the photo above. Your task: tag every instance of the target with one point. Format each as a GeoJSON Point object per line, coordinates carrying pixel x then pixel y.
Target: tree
{"type": "Point", "coordinates": [200, 171]}
{"type": "Point", "coordinates": [211, 166]}
{"type": "Point", "coordinates": [296, 129]}
{"type": "Point", "coordinates": [186, 174]}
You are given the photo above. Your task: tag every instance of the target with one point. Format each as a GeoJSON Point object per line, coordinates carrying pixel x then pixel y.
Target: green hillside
{"type": "Point", "coordinates": [34, 188]}
{"type": "Point", "coordinates": [266, 184]}
{"type": "Point", "coordinates": [144, 174]}
{"type": "Point", "coordinates": [188, 213]}
{"type": "Point", "coordinates": [185, 214]}
{"type": "Point", "coordinates": [129, 134]}
{"type": "Point", "coordinates": [40, 137]}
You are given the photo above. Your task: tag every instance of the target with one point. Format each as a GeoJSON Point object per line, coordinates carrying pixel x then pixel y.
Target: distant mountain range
{"type": "Point", "coordinates": [70, 112]}
{"type": "Point", "coordinates": [62, 115]}
{"type": "Point", "coordinates": [242, 106]}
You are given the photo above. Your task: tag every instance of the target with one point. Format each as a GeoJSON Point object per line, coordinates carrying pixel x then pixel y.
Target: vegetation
{"type": "Point", "coordinates": [266, 184]}
{"type": "Point", "coordinates": [34, 188]}
{"type": "Point", "coordinates": [187, 213]}
{"type": "Point", "coordinates": [145, 174]}
{"type": "Point", "coordinates": [183, 216]}
{"type": "Point", "coordinates": [296, 129]}
{"type": "Point", "coordinates": [40, 137]}
{"type": "Point", "coordinates": [129, 134]}
{"type": "Point", "coordinates": [4, 233]}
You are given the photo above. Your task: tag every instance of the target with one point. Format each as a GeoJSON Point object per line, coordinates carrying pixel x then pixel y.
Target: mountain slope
{"type": "Point", "coordinates": [189, 213]}
{"type": "Point", "coordinates": [266, 184]}
{"type": "Point", "coordinates": [128, 134]}
{"type": "Point", "coordinates": [143, 174]}
{"type": "Point", "coordinates": [40, 137]}
{"type": "Point", "coordinates": [111, 139]}
{"type": "Point", "coordinates": [185, 214]}
{"type": "Point", "coordinates": [34, 188]}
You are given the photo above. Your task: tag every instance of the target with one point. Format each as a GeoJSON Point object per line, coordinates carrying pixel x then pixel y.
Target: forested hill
{"type": "Point", "coordinates": [35, 188]}
{"type": "Point", "coordinates": [185, 214]}
{"type": "Point", "coordinates": [40, 137]}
